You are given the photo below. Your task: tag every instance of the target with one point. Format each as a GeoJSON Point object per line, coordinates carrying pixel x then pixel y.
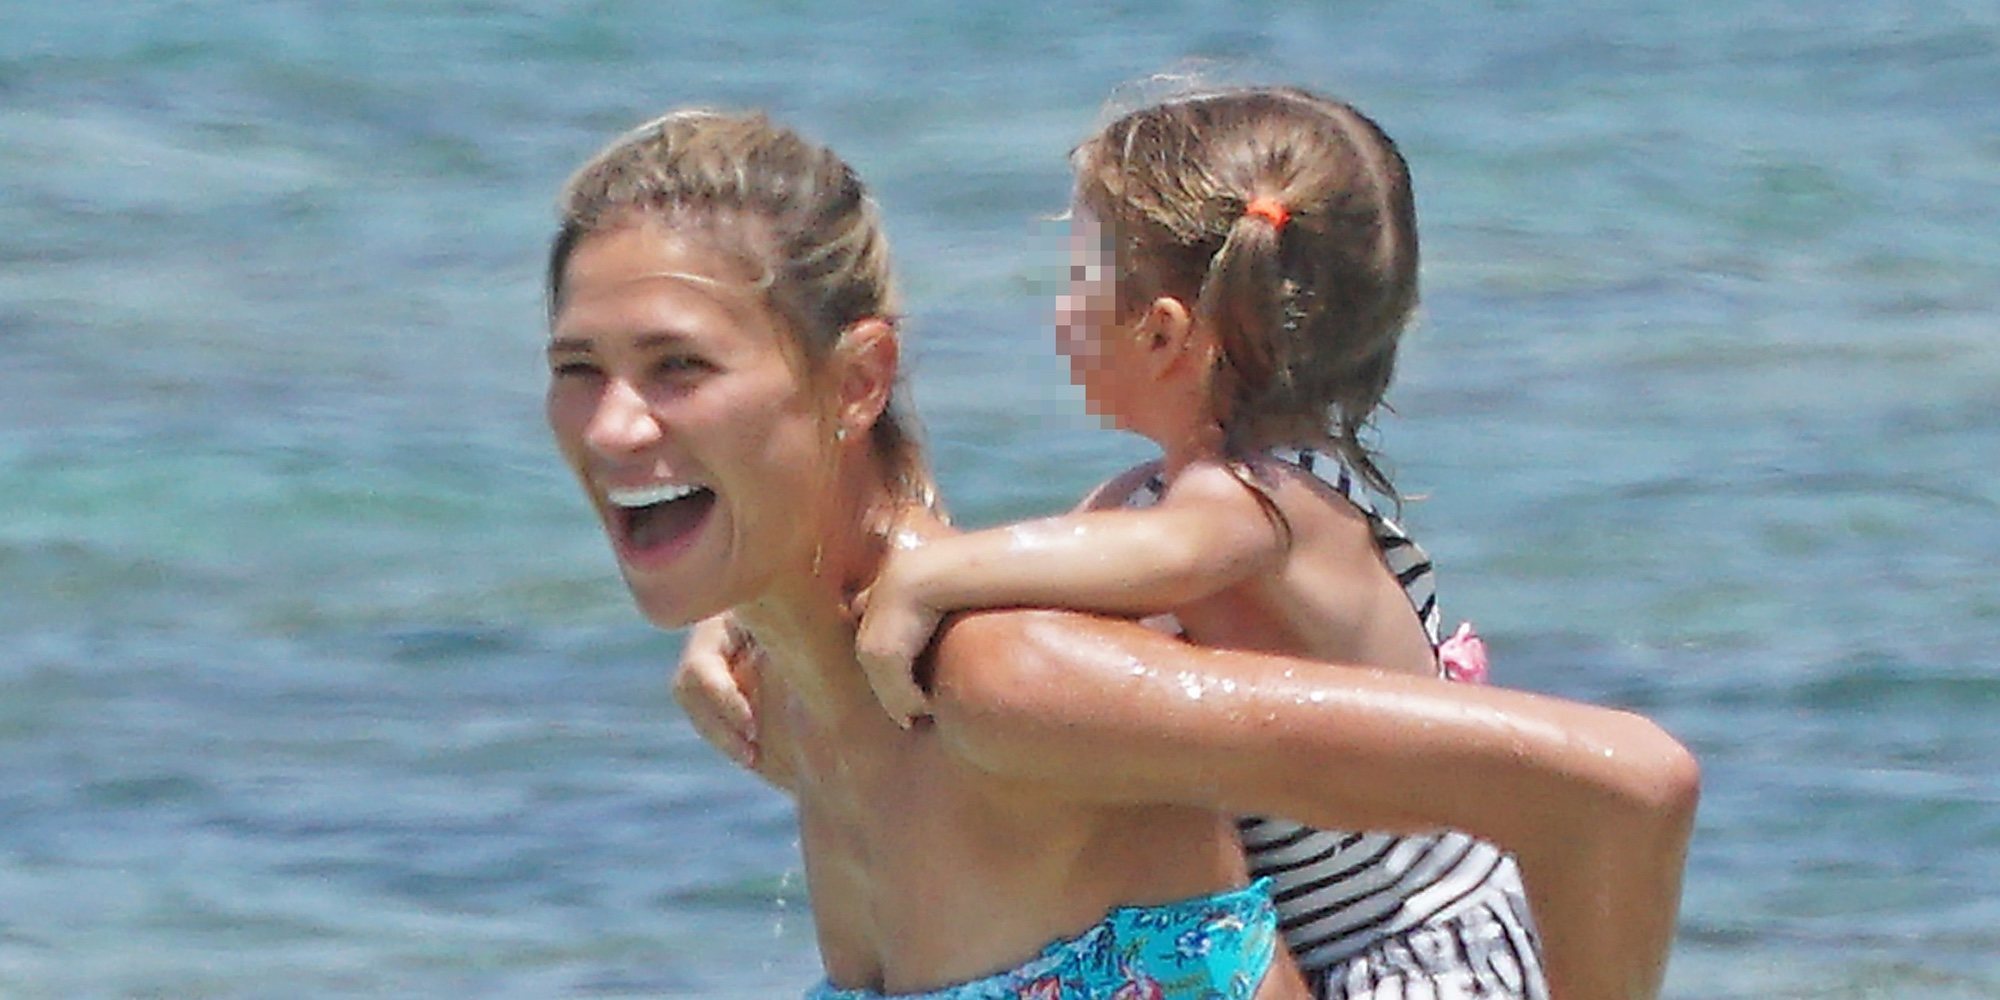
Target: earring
{"type": "Point", "coordinates": [840, 433]}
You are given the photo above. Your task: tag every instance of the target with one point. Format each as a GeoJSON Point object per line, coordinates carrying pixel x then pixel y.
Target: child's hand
{"type": "Point", "coordinates": [896, 625]}
{"type": "Point", "coordinates": [714, 683]}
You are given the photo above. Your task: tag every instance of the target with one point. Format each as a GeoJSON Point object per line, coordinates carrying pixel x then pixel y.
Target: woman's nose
{"type": "Point", "coordinates": [623, 422]}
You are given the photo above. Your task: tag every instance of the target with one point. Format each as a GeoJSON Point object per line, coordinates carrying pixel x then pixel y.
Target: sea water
{"type": "Point", "coordinates": [317, 679]}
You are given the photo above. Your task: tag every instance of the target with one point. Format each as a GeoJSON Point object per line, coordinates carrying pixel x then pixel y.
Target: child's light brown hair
{"type": "Point", "coordinates": [1306, 305]}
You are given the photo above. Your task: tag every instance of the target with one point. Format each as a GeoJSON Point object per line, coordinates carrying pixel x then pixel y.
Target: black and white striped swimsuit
{"type": "Point", "coordinates": [1375, 916]}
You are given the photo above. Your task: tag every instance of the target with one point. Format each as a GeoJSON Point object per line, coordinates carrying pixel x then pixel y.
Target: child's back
{"type": "Point", "coordinates": [1365, 914]}
{"type": "Point", "coordinates": [1333, 596]}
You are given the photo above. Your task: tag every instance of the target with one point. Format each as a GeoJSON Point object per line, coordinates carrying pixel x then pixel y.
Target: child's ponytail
{"type": "Point", "coordinates": [1246, 299]}
{"type": "Point", "coordinates": [1287, 221]}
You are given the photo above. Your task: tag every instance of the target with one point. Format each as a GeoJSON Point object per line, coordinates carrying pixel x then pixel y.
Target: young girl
{"type": "Point", "coordinates": [1243, 265]}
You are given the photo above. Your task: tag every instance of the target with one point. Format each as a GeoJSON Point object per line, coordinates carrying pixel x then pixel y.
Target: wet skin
{"type": "Point", "coordinates": [667, 377]}
{"type": "Point", "coordinates": [1058, 778]}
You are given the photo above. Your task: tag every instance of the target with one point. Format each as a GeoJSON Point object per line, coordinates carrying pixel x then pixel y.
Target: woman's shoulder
{"type": "Point", "coordinates": [996, 677]}
{"type": "Point", "coordinates": [982, 656]}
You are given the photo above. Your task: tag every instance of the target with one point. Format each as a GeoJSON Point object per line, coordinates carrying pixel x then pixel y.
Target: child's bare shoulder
{"type": "Point", "coordinates": [1234, 504]}
{"type": "Point", "coordinates": [1322, 517]}
{"type": "Point", "coordinates": [1217, 482]}
{"type": "Point", "coordinates": [1289, 482]}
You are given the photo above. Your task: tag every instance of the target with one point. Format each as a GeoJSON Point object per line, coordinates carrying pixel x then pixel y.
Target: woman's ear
{"type": "Point", "coordinates": [867, 360]}
{"type": "Point", "coordinates": [1166, 336]}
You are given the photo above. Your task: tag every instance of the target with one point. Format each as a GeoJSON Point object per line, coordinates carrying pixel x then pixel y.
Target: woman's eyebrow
{"type": "Point", "coordinates": [661, 338]}
{"type": "Point", "coordinates": [649, 340]}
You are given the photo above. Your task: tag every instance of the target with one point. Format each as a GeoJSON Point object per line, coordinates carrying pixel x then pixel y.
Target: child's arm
{"type": "Point", "coordinates": [1208, 533]}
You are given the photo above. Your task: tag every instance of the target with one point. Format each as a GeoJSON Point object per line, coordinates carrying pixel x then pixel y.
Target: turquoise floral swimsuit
{"type": "Point", "coordinates": [1208, 948]}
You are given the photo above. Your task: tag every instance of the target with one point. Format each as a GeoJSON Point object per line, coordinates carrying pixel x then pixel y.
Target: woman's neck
{"type": "Point", "coordinates": [804, 621]}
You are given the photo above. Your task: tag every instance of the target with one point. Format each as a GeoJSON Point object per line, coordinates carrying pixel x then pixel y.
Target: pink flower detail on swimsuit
{"type": "Point", "coordinates": [1045, 988]}
{"type": "Point", "coordinates": [1464, 655]}
{"type": "Point", "coordinates": [1139, 988]}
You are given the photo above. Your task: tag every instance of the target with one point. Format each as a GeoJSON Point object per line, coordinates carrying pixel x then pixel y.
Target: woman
{"type": "Point", "coordinates": [723, 363]}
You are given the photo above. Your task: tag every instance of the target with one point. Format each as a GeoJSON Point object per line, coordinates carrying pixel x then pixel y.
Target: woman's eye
{"type": "Point", "coordinates": [683, 365]}
{"type": "Point", "coordinates": [572, 369]}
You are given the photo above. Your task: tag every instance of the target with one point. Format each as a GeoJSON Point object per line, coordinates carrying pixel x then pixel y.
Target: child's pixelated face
{"type": "Point", "coordinates": [1088, 331]}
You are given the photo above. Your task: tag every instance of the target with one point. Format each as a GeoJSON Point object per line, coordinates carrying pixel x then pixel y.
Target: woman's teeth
{"type": "Point", "coordinates": [646, 496]}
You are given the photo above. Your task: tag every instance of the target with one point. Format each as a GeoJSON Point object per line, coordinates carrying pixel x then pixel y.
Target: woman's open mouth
{"type": "Point", "coordinates": [659, 522]}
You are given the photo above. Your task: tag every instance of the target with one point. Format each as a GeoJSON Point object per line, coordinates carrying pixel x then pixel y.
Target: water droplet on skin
{"type": "Point", "coordinates": [1191, 686]}
{"type": "Point", "coordinates": [1026, 539]}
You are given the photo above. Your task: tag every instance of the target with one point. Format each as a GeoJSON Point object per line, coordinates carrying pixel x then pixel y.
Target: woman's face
{"type": "Point", "coordinates": [675, 401]}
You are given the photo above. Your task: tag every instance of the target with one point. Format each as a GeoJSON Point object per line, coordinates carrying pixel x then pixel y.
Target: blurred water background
{"type": "Point", "coordinates": [317, 679]}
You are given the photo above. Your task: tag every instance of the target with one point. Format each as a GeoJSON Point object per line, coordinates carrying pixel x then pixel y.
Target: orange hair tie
{"type": "Point", "coordinates": [1269, 209]}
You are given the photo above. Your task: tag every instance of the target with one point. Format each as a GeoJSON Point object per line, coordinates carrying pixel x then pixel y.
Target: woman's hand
{"type": "Point", "coordinates": [896, 626]}
{"type": "Point", "coordinates": [715, 684]}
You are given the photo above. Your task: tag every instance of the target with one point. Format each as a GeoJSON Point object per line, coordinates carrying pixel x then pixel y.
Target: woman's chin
{"type": "Point", "coordinates": [675, 609]}
{"type": "Point", "coordinates": [672, 621]}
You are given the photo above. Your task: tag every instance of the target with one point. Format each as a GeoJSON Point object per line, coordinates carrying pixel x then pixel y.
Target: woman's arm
{"type": "Point", "coordinates": [1596, 805]}
{"type": "Point", "coordinates": [1208, 533]}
